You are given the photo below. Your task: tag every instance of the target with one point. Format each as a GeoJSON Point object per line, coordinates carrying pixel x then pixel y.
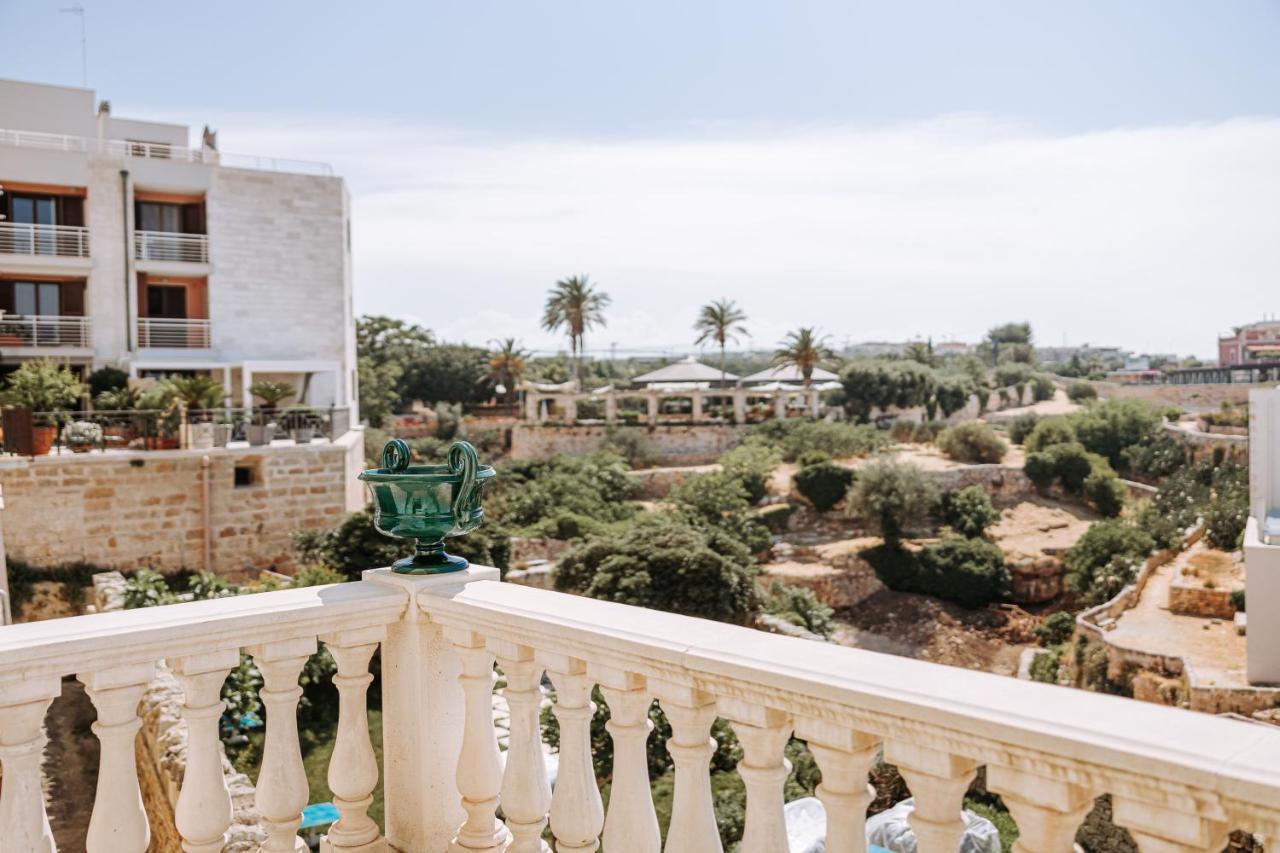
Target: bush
{"type": "Point", "coordinates": [1044, 667]}
{"type": "Point", "coordinates": [1078, 392]}
{"type": "Point", "coordinates": [1040, 469]}
{"type": "Point", "coordinates": [972, 441]}
{"type": "Point", "coordinates": [1048, 432]}
{"type": "Point", "coordinates": [1021, 427]}
{"type": "Point", "coordinates": [1042, 388]}
{"type": "Point", "coordinates": [969, 511]}
{"type": "Point", "coordinates": [719, 502]}
{"type": "Point", "coordinates": [1109, 427]}
{"type": "Point", "coordinates": [1155, 459]}
{"type": "Point", "coordinates": [594, 486]}
{"type": "Point", "coordinates": [892, 497]}
{"type": "Point", "coordinates": [147, 588]}
{"type": "Point", "coordinates": [902, 430]}
{"type": "Point", "coordinates": [752, 465]}
{"type": "Point", "coordinates": [1225, 518]}
{"type": "Point", "coordinates": [42, 386]}
{"type": "Point", "coordinates": [1071, 466]}
{"type": "Point", "coordinates": [824, 484]}
{"type": "Point", "coordinates": [630, 444]}
{"type": "Point", "coordinates": [776, 517]}
{"type": "Point", "coordinates": [799, 606]}
{"type": "Point", "coordinates": [667, 564]}
{"type": "Point", "coordinates": [1056, 629]}
{"type": "Point", "coordinates": [1237, 599]}
{"type": "Point", "coordinates": [834, 438]}
{"type": "Point", "coordinates": [1105, 559]}
{"type": "Point", "coordinates": [812, 457]}
{"type": "Point", "coordinates": [970, 572]}
{"type": "Point", "coordinates": [106, 379]}
{"type": "Point", "coordinates": [1105, 493]}
{"type": "Point", "coordinates": [926, 432]}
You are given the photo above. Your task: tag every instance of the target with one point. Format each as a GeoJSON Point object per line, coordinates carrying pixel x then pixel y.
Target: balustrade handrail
{"type": "Point", "coordinates": [35, 330]}
{"type": "Point", "coordinates": [121, 637]}
{"type": "Point", "coordinates": [165, 332]}
{"type": "Point", "coordinates": [987, 717]}
{"type": "Point", "coordinates": [170, 246]}
{"type": "Point", "coordinates": [31, 238]}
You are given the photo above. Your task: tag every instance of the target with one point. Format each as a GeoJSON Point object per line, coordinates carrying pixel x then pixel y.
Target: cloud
{"type": "Point", "coordinates": [1153, 238]}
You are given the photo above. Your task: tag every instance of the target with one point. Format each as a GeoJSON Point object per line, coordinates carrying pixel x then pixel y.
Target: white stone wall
{"type": "Point", "coordinates": [105, 296]}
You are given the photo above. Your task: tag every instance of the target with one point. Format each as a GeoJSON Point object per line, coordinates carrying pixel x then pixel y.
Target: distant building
{"type": "Point", "coordinates": [947, 349]}
{"type": "Point", "coordinates": [1249, 344]}
{"type": "Point", "coordinates": [122, 244]}
{"type": "Point", "coordinates": [687, 372]}
{"type": "Point", "coordinates": [871, 349]}
{"type": "Point", "coordinates": [1084, 352]}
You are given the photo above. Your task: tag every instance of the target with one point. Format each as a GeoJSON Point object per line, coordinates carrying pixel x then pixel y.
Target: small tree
{"type": "Point", "coordinates": [892, 497]}
{"type": "Point", "coordinates": [1047, 433]}
{"type": "Point", "coordinates": [198, 392]}
{"type": "Point", "coordinates": [1078, 392]}
{"type": "Point", "coordinates": [824, 484]}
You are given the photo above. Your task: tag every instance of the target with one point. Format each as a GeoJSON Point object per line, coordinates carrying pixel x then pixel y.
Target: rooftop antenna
{"type": "Point", "coordinates": [78, 9]}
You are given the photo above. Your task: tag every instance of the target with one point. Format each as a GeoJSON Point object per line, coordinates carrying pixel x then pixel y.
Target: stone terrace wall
{"type": "Point", "coordinates": [131, 510]}
{"type": "Point", "coordinates": [672, 444]}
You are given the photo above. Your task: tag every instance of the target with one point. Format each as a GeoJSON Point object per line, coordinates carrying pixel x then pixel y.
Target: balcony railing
{"type": "Point", "coordinates": [1178, 780]}
{"type": "Point", "coordinates": [38, 330]}
{"type": "Point", "coordinates": [158, 151]}
{"type": "Point", "coordinates": [155, 332]}
{"type": "Point", "coordinates": [62, 241]}
{"type": "Point", "coordinates": [170, 246]}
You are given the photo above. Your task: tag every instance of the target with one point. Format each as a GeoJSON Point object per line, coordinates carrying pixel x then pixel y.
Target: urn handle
{"type": "Point", "coordinates": [395, 455]}
{"type": "Point", "coordinates": [464, 462]}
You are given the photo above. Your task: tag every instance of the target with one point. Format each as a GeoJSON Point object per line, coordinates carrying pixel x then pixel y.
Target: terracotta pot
{"type": "Point", "coordinates": [42, 439]}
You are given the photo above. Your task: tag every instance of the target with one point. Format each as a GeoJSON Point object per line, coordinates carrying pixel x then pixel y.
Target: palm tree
{"type": "Point", "coordinates": [507, 366]}
{"type": "Point", "coordinates": [803, 349]}
{"type": "Point", "coordinates": [720, 321]}
{"type": "Point", "coordinates": [575, 305]}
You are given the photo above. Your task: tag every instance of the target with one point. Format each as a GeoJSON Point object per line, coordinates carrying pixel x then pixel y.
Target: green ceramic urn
{"type": "Point", "coordinates": [428, 503]}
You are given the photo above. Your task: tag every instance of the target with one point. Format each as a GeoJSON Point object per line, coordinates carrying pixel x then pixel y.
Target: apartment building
{"type": "Point", "coordinates": [1250, 344]}
{"type": "Point", "coordinates": [124, 244]}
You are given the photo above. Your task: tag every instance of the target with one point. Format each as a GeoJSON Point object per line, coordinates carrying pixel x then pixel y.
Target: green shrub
{"type": "Point", "coordinates": [316, 576]}
{"type": "Point", "coordinates": [1237, 599]}
{"type": "Point", "coordinates": [1072, 465]}
{"type": "Point", "coordinates": [812, 457]}
{"type": "Point", "coordinates": [1021, 427]}
{"type": "Point", "coordinates": [1078, 392]}
{"type": "Point", "coordinates": [1105, 559]}
{"type": "Point", "coordinates": [147, 588]}
{"type": "Point", "coordinates": [824, 484]}
{"type": "Point", "coordinates": [1105, 493]}
{"type": "Point", "coordinates": [1048, 432]}
{"type": "Point", "coordinates": [1107, 428]}
{"type": "Point", "coordinates": [665, 563]}
{"type": "Point", "coordinates": [799, 606]}
{"type": "Point", "coordinates": [1042, 388]}
{"type": "Point", "coordinates": [835, 438]}
{"type": "Point", "coordinates": [972, 441]}
{"type": "Point", "coordinates": [926, 432]}
{"type": "Point", "coordinates": [970, 572]}
{"type": "Point", "coordinates": [903, 430]}
{"type": "Point", "coordinates": [593, 486]}
{"type": "Point", "coordinates": [207, 585]}
{"type": "Point", "coordinates": [776, 517]}
{"type": "Point", "coordinates": [1044, 667]}
{"type": "Point", "coordinates": [106, 379]}
{"type": "Point", "coordinates": [969, 511]}
{"type": "Point", "coordinates": [1040, 469]}
{"type": "Point", "coordinates": [630, 444]}
{"type": "Point", "coordinates": [42, 386]}
{"type": "Point", "coordinates": [1225, 517]}
{"type": "Point", "coordinates": [718, 501]}
{"type": "Point", "coordinates": [1056, 629]}
{"type": "Point", "coordinates": [892, 497]}
{"type": "Point", "coordinates": [1154, 459]}
{"type": "Point", "coordinates": [752, 464]}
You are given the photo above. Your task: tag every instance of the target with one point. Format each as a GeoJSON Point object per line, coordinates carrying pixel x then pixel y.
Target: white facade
{"type": "Point", "coordinates": [1262, 538]}
{"type": "Point", "coordinates": [240, 267]}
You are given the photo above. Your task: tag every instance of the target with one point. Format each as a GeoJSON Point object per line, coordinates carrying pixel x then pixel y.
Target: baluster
{"type": "Point", "coordinates": [282, 790]}
{"type": "Point", "coordinates": [1171, 824]}
{"type": "Point", "coordinates": [577, 813]}
{"type": "Point", "coordinates": [119, 821]}
{"type": "Point", "coordinates": [526, 792]}
{"type": "Point", "coordinates": [631, 823]}
{"type": "Point", "coordinates": [203, 813]}
{"type": "Point", "coordinates": [763, 734]}
{"type": "Point", "coordinates": [693, 817]}
{"type": "Point", "coordinates": [845, 757]}
{"type": "Point", "coordinates": [353, 767]}
{"type": "Point", "coordinates": [24, 824]}
{"type": "Point", "coordinates": [479, 774]}
{"type": "Point", "coordinates": [938, 781]}
{"type": "Point", "coordinates": [1048, 811]}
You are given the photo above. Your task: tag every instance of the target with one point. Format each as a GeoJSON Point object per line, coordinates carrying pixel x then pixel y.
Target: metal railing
{"type": "Point", "coordinates": [167, 429]}
{"type": "Point", "coordinates": [40, 330]}
{"type": "Point", "coordinates": [154, 332]}
{"type": "Point", "coordinates": [159, 151]}
{"type": "Point", "coordinates": [170, 246]}
{"type": "Point", "coordinates": [63, 241]}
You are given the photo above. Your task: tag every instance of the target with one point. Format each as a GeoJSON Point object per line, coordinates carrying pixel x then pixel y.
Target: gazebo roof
{"type": "Point", "coordinates": [686, 370]}
{"type": "Point", "coordinates": [790, 373]}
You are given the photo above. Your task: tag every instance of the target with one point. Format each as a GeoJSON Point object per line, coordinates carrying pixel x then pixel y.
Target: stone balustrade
{"type": "Point", "coordinates": [1178, 780]}
{"type": "Point", "coordinates": [740, 400]}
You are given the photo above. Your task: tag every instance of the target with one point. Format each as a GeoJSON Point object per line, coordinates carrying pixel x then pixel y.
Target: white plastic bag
{"type": "Point", "coordinates": [890, 830]}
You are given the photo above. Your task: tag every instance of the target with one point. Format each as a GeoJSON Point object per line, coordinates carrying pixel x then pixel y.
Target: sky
{"type": "Point", "coordinates": [1108, 171]}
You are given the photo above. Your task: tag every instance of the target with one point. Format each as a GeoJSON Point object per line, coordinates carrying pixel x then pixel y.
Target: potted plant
{"type": "Point", "coordinates": [197, 393]}
{"type": "Point", "coordinates": [159, 417]}
{"type": "Point", "coordinates": [271, 394]}
{"type": "Point", "coordinates": [81, 436]}
{"type": "Point", "coordinates": [43, 387]}
{"type": "Point", "coordinates": [113, 406]}
{"type": "Point", "coordinates": [302, 421]}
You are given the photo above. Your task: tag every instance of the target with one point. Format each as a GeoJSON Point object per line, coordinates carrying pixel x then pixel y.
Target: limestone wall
{"type": "Point", "coordinates": [672, 444]}
{"type": "Point", "coordinates": [1192, 599]}
{"type": "Point", "coordinates": [128, 510]}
